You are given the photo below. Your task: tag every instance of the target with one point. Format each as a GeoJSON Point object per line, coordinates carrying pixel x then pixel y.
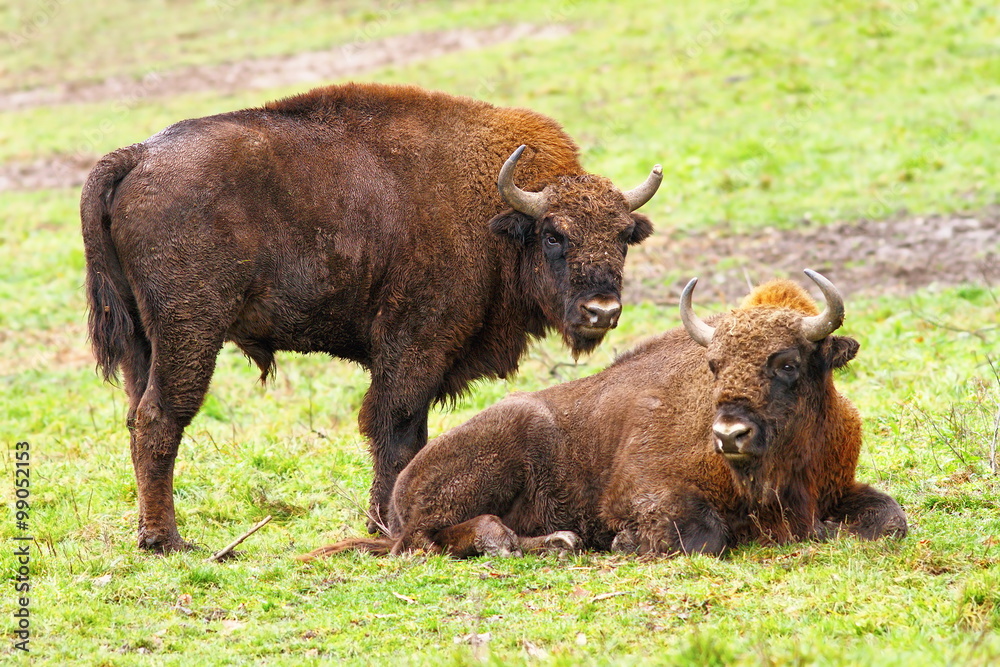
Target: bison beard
{"type": "Point", "coordinates": [363, 221]}
{"type": "Point", "coordinates": [702, 439]}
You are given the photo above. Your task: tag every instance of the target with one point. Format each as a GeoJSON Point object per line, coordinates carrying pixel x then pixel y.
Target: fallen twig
{"type": "Point", "coordinates": [607, 596]}
{"type": "Point", "coordinates": [228, 549]}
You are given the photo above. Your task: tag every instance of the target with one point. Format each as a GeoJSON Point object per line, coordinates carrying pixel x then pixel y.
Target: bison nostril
{"type": "Point", "coordinates": [601, 313]}
{"type": "Point", "coordinates": [732, 437]}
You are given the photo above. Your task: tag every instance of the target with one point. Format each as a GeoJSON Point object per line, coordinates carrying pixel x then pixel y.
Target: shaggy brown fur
{"type": "Point", "coordinates": [359, 220]}
{"type": "Point", "coordinates": [625, 458]}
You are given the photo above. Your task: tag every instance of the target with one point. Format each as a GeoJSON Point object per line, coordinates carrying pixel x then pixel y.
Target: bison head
{"type": "Point", "coordinates": [771, 364]}
{"type": "Point", "coordinates": [575, 234]}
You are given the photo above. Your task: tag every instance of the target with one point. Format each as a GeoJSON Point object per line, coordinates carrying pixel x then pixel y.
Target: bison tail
{"type": "Point", "coordinates": [379, 546]}
{"type": "Point", "coordinates": [110, 321]}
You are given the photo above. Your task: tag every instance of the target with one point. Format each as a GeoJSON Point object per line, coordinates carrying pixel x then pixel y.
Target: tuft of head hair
{"type": "Point", "coordinates": [781, 294]}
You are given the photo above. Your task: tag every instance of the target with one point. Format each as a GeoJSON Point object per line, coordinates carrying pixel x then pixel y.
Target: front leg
{"type": "Point", "coordinates": [395, 438]}
{"type": "Point", "coordinates": [484, 535]}
{"type": "Point", "coordinates": [673, 524]}
{"type": "Point", "coordinates": [406, 379]}
{"type": "Point", "coordinates": [869, 514]}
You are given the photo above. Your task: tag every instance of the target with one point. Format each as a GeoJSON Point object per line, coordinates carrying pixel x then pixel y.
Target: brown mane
{"type": "Point", "coordinates": [781, 294]}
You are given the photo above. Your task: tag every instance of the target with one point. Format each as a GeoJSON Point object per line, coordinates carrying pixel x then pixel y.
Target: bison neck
{"type": "Point", "coordinates": [511, 318]}
{"type": "Point", "coordinates": [787, 496]}
{"type": "Point", "coordinates": [784, 515]}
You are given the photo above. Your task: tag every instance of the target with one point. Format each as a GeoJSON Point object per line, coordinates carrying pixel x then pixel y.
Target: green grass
{"type": "Point", "coordinates": [762, 114]}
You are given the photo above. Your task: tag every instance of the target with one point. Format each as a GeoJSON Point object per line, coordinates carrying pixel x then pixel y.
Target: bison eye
{"type": "Point", "coordinates": [553, 245]}
{"type": "Point", "coordinates": [787, 371]}
{"type": "Point", "coordinates": [785, 365]}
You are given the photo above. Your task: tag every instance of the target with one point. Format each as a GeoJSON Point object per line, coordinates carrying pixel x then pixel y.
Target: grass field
{"type": "Point", "coordinates": [762, 113]}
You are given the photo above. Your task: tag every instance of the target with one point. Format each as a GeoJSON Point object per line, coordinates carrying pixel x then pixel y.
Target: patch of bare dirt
{"type": "Point", "coordinates": [63, 171]}
{"type": "Point", "coordinates": [62, 347]}
{"type": "Point", "coordinates": [262, 73]}
{"type": "Point", "coordinates": [896, 256]}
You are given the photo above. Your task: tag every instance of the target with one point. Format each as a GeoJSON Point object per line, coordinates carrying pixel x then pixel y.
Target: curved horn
{"type": "Point", "coordinates": [818, 327]}
{"type": "Point", "coordinates": [642, 194]}
{"type": "Point", "coordinates": [529, 203]}
{"type": "Point", "coordinates": [700, 332]}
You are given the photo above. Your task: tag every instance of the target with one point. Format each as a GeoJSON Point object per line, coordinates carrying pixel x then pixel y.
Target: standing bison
{"type": "Point", "coordinates": [696, 441]}
{"type": "Point", "coordinates": [363, 221]}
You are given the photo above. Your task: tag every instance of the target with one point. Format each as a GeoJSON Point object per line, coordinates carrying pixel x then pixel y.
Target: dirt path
{"type": "Point", "coordinates": [895, 256]}
{"type": "Point", "coordinates": [60, 171]}
{"type": "Point", "coordinates": [64, 171]}
{"type": "Point", "coordinates": [262, 73]}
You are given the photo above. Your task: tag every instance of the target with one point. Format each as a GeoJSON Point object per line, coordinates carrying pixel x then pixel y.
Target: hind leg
{"type": "Point", "coordinates": [178, 378]}
{"type": "Point", "coordinates": [135, 368]}
{"type": "Point", "coordinates": [868, 513]}
{"type": "Point", "coordinates": [452, 495]}
{"type": "Point", "coordinates": [561, 541]}
{"type": "Point", "coordinates": [484, 535]}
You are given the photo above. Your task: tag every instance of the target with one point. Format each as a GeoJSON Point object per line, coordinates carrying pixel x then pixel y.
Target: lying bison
{"type": "Point", "coordinates": [695, 441]}
{"type": "Point", "coordinates": [363, 221]}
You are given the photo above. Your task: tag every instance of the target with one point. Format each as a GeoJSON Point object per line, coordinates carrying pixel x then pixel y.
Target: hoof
{"type": "Point", "coordinates": [164, 544]}
{"type": "Point", "coordinates": [497, 540]}
{"type": "Point", "coordinates": [625, 542]}
{"type": "Point", "coordinates": [501, 551]}
{"type": "Point", "coordinates": [563, 540]}
{"type": "Point", "coordinates": [560, 541]}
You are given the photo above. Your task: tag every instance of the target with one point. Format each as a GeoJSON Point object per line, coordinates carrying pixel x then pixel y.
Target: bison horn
{"type": "Point", "coordinates": [700, 332]}
{"type": "Point", "coordinates": [642, 194]}
{"type": "Point", "coordinates": [818, 327]}
{"type": "Point", "coordinates": [529, 203]}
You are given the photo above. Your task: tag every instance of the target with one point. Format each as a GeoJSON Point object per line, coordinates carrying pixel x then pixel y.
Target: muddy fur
{"type": "Point", "coordinates": [359, 220]}
{"type": "Point", "coordinates": [626, 458]}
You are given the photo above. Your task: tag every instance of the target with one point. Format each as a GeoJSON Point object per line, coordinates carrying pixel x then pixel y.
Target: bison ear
{"type": "Point", "coordinates": [516, 225]}
{"type": "Point", "coordinates": [839, 350]}
{"type": "Point", "coordinates": [643, 228]}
